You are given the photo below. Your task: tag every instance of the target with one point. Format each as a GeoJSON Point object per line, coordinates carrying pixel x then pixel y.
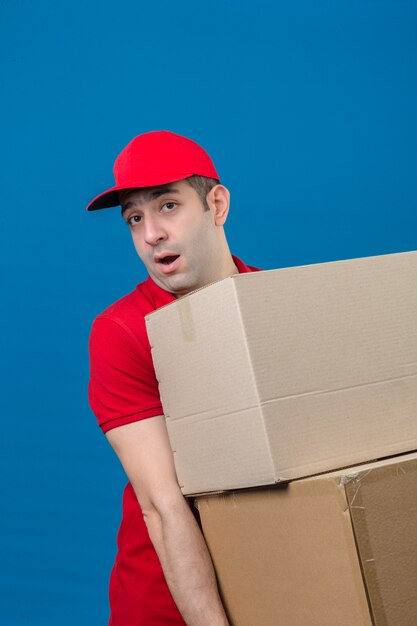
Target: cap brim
{"type": "Point", "coordinates": [106, 199]}
{"type": "Point", "coordinates": [110, 197]}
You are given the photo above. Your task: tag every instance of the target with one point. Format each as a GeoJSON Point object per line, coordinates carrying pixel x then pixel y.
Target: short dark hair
{"type": "Point", "coordinates": [202, 185]}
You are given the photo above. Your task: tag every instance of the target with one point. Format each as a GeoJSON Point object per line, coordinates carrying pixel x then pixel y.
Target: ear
{"type": "Point", "coordinates": [218, 199]}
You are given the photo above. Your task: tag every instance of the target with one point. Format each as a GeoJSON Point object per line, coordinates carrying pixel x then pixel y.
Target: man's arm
{"type": "Point", "coordinates": [145, 453]}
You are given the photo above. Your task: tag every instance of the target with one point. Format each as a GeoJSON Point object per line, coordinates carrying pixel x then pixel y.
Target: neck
{"type": "Point", "coordinates": [227, 265]}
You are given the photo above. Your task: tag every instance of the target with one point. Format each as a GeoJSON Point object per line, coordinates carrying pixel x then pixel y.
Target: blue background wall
{"type": "Point", "coordinates": [309, 112]}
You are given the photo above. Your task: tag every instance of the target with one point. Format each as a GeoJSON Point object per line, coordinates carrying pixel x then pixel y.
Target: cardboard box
{"type": "Point", "coordinates": [281, 374]}
{"type": "Point", "coordinates": [336, 549]}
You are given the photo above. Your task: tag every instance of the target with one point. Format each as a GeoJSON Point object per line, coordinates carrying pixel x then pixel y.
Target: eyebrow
{"type": "Point", "coordinates": [152, 195]}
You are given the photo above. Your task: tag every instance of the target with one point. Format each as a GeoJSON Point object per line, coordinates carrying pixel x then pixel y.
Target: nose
{"type": "Point", "coordinates": [154, 232]}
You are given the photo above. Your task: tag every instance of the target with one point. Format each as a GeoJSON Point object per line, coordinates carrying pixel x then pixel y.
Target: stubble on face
{"type": "Point", "coordinates": [189, 231]}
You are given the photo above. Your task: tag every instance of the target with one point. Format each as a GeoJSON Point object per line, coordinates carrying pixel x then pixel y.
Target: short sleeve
{"type": "Point", "coordinates": [123, 386]}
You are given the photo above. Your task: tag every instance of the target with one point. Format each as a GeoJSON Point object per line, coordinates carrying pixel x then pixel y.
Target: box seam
{"type": "Point", "coordinates": [253, 377]}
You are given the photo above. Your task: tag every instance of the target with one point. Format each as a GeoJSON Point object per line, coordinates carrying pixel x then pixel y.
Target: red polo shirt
{"type": "Point", "coordinates": [123, 389]}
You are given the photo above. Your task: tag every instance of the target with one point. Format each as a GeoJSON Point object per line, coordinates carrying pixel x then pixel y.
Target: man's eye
{"type": "Point", "coordinates": [169, 206]}
{"type": "Point", "coordinates": [135, 219]}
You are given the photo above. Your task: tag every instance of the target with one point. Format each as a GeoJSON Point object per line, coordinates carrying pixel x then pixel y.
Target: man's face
{"type": "Point", "coordinates": [177, 240]}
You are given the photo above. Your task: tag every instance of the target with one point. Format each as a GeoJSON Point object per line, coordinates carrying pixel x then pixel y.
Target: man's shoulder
{"type": "Point", "coordinates": [244, 268]}
{"type": "Point", "coordinates": [129, 310]}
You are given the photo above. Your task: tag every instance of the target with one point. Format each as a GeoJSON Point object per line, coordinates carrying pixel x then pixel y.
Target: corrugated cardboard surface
{"type": "Point", "coordinates": [383, 505]}
{"type": "Point", "coordinates": [277, 375]}
{"type": "Point", "coordinates": [288, 555]}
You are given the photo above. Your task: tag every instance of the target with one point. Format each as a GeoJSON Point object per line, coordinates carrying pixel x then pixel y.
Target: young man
{"type": "Point", "coordinates": [175, 208]}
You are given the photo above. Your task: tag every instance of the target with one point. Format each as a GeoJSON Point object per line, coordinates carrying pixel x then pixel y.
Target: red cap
{"type": "Point", "coordinates": [152, 159]}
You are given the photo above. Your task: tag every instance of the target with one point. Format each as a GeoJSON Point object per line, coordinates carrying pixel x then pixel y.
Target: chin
{"type": "Point", "coordinates": [180, 286]}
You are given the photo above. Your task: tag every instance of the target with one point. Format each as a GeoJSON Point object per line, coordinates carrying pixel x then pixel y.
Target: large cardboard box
{"type": "Point", "coordinates": [281, 374]}
{"type": "Point", "coordinates": [333, 550]}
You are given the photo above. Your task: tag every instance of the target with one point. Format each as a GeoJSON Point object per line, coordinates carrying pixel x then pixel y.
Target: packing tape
{"type": "Point", "coordinates": [186, 319]}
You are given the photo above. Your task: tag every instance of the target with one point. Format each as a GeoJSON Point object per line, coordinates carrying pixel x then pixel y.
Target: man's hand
{"type": "Point", "coordinates": [145, 453]}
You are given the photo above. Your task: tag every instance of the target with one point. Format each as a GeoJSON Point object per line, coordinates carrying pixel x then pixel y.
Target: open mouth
{"type": "Point", "coordinates": [167, 260]}
{"type": "Point", "coordinates": [168, 263]}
